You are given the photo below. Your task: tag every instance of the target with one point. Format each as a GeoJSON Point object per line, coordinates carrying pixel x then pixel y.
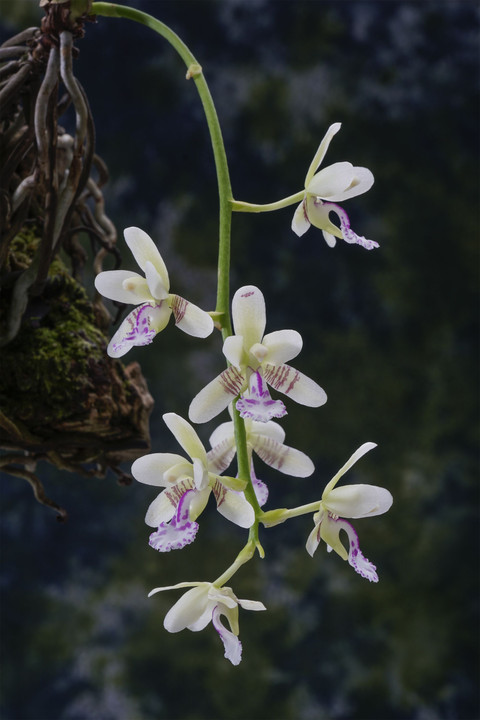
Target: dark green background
{"type": "Point", "coordinates": [391, 335]}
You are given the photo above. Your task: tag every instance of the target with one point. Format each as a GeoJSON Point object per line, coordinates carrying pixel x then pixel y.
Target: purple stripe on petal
{"type": "Point", "coordinates": [282, 377]}
{"type": "Point", "coordinates": [179, 308]}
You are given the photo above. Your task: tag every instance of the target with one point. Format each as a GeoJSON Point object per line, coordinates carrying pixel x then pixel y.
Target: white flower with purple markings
{"type": "Point", "coordinates": [255, 361]}
{"type": "Point", "coordinates": [188, 484]}
{"type": "Point", "coordinates": [266, 440]}
{"type": "Point", "coordinates": [324, 189]}
{"type": "Point", "coordinates": [151, 294]}
{"type": "Point", "coordinates": [205, 603]}
{"type": "Point", "coordinates": [351, 501]}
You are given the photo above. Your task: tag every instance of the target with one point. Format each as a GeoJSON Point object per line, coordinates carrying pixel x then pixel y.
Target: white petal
{"type": "Point", "coordinates": [233, 350]}
{"type": "Point", "coordinates": [198, 502]}
{"type": "Point", "coordinates": [155, 282]}
{"type": "Point", "coordinates": [282, 457]}
{"type": "Point", "coordinates": [251, 605]}
{"type": "Point", "coordinates": [295, 384]}
{"type": "Point", "coordinates": [150, 469]}
{"type": "Point", "coordinates": [269, 429]}
{"type": "Point", "coordinates": [187, 610]}
{"type": "Point", "coordinates": [313, 540]}
{"type": "Point", "coordinates": [330, 239]}
{"type": "Point", "coordinates": [175, 587]}
{"type": "Point", "coordinates": [224, 432]}
{"type": "Point", "coordinates": [300, 221]}
{"type": "Point", "coordinates": [215, 396]}
{"type": "Point", "coordinates": [190, 318]}
{"type": "Point", "coordinates": [361, 182]}
{"type": "Point", "coordinates": [160, 510]}
{"type": "Point", "coordinates": [282, 345]}
{"type": "Point", "coordinates": [331, 181]}
{"type": "Point", "coordinates": [322, 149]}
{"type": "Point", "coordinates": [200, 474]}
{"type": "Point", "coordinates": [358, 501]}
{"type": "Point", "coordinates": [186, 436]}
{"type": "Point", "coordinates": [144, 250]}
{"type": "Point", "coordinates": [221, 455]}
{"type": "Point", "coordinates": [366, 447]}
{"type": "Point", "coordinates": [111, 284]}
{"type": "Point", "coordinates": [234, 506]}
{"type": "Point", "coordinates": [249, 314]}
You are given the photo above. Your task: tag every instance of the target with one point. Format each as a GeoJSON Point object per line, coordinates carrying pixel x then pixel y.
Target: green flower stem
{"type": "Point", "coordinates": [222, 310]}
{"type": "Point", "coordinates": [275, 517]}
{"type": "Point", "coordinates": [240, 206]}
{"type": "Point", "coordinates": [243, 557]}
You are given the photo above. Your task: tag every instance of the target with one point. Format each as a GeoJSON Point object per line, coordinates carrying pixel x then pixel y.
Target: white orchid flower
{"type": "Point", "coordinates": [188, 484]}
{"type": "Point", "coordinates": [351, 501]}
{"type": "Point", "coordinates": [255, 360]}
{"type": "Point", "coordinates": [205, 603]}
{"type": "Point", "coordinates": [266, 440]}
{"type": "Point", "coordinates": [324, 189]}
{"type": "Point", "coordinates": [152, 296]}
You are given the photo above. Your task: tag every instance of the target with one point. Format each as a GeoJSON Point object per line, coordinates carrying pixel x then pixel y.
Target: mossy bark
{"type": "Point", "coordinates": [61, 396]}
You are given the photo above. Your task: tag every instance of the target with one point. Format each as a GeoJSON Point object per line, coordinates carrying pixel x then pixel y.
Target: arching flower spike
{"type": "Point", "coordinates": [188, 484]}
{"type": "Point", "coordinates": [206, 603]}
{"type": "Point", "coordinates": [351, 501]}
{"type": "Point", "coordinates": [324, 189]}
{"type": "Point", "coordinates": [257, 359]}
{"type": "Point", "coordinates": [151, 294]}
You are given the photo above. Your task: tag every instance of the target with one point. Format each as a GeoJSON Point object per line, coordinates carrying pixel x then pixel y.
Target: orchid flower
{"type": "Point", "coordinates": [255, 360]}
{"type": "Point", "coordinates": [151, 294]}
{"type": "Point", "coordinates": [206, 603]}
{"type": "Point", "coordinates": [266, 440]}
{"type": "Point", "coordinates": [324, 189]}
{"type": "Point", "coordinates": [351, 501]}
{"type": "Point", "coordinates": [188, 485]}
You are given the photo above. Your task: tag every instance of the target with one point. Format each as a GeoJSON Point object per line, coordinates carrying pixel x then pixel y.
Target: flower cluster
{"type": "Point", "coordinates": [257, 363]}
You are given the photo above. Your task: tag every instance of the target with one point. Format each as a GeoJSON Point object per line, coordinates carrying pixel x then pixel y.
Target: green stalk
{"type": "Point", "coordinates": [240, 206]}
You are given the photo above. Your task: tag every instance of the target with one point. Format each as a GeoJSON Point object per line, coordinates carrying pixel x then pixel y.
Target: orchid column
{"type": "Point", "coordinates": [256, 364]}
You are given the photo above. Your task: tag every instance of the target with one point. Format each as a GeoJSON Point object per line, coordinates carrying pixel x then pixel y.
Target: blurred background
{"type": "Point", "coordinates": [390, 334]}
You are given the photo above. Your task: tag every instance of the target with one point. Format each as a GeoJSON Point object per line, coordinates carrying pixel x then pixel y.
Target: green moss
{"type": "Point", "coordinates": [50, 368]}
